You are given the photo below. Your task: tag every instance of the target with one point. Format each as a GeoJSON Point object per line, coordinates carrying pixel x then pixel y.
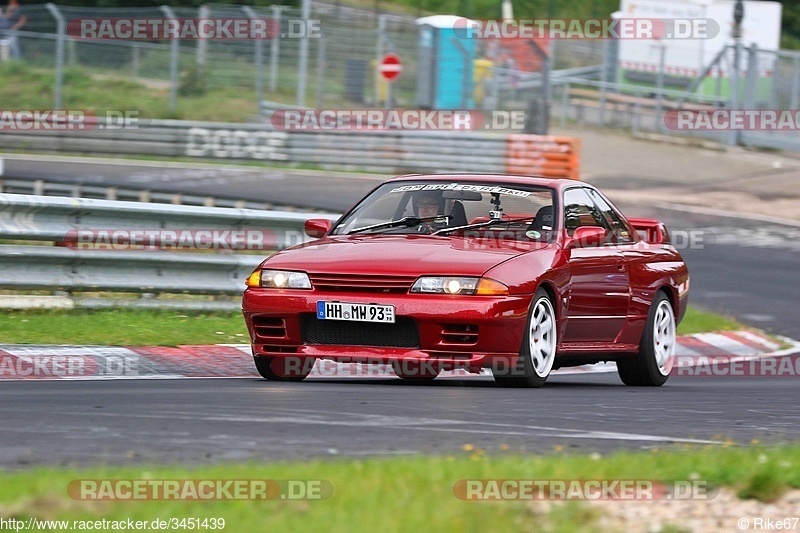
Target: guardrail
{"type": "Point", "coordinates": [383, 151]}
{"type": "Point", "coordinates": [126, 245]}
{"type": "Point", "coordinates": [110, 192]}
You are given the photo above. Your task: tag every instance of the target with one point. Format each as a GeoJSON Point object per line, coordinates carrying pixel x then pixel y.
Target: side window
{"type": "Point", "coordinates": [620, 234]}
{"type": "Point", "coordinates": [579, 210]}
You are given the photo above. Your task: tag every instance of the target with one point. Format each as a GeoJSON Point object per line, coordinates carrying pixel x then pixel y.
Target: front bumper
{"type": "Point", "coordinates": [467, 332]}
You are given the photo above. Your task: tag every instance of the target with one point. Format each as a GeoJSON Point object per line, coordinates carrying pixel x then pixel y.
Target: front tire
{"type": "Point", "coordinates": [539, 345]}
{"type": "Point", "coordinates": [284, 368]}
{"type": "Point", "coordinates": [652, 365]}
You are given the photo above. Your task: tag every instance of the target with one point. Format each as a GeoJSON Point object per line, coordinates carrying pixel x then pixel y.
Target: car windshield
{"type": "Point", "coordinates": [453, 207]}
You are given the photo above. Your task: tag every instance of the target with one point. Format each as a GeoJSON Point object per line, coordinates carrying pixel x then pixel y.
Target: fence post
{"type": "Point", "coordinates": [320, 71]}
{"type": "Point", "coordinates": [543, 107]}
{"type": "Point", "coordinates": [259, 59]}
{"type": "Point", "coordinates": [173, 64]}
{"type": "Point", "coordinates": [733, 137]}
{"type": "Point", "coordinates": [603, 81]}
{"type": "Point", "coordinates": [750, 90]}
{"type": "Point", "coordinates": [274, 49]}
{"type": "Point", "coordinates": [544, 110]}
{"type": "Point", "coordinates": [795, 81]}
{"type": "Point", "coordinates": [62, 30]}
{"type": "Point", "coordinates": [378, 57]}
{"type": "Point", "coordinates": [662, 53]}
{"type": "Point", "coordinates": [202, 45]}
{"type": "Point", "coordinates": [303, 60]}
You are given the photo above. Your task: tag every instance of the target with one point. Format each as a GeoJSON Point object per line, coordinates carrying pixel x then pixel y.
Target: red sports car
{"type": "Point", "coordinates": [518, 274]}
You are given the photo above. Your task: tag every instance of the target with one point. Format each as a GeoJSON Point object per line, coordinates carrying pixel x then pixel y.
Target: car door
{"type": "Point", "coordinates": [637, 256]}
{"type": "Point", "coordinates": [599, 292]}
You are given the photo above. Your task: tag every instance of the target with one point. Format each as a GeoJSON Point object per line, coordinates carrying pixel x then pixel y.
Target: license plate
{"type": "Point", "coordinates": [355, 312]}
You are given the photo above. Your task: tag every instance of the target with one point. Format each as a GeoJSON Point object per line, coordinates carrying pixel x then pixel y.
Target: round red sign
{"type": "Point", "coordinates": [390, 67]}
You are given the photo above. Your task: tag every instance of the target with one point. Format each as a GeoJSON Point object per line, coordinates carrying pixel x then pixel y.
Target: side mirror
{"type": "Point", "coordinates": [587, 237]}
{"type": "Point", "coordinates": [317, 227]}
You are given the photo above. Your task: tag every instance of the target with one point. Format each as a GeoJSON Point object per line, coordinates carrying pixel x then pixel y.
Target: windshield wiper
{"type": "Point", "coordinates": [408, 222]}
{"type": "Point", "coordinates": [484, 224]}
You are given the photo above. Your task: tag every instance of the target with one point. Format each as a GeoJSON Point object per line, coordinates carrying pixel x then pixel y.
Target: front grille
{"type": "Point", "coordinates": [402, 334]}
{"type": "Point", "coordinates": [361, 283]}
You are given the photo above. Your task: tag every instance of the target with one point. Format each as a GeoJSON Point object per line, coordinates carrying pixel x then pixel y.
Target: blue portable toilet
{"type": "Point", "coordinates": [445, 62]}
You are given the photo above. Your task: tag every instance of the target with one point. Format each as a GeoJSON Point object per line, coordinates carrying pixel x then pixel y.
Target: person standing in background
{"type": "Point", "coordinates": [10, 23]}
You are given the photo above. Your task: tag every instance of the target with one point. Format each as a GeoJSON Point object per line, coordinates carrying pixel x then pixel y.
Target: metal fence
{"type": "Point", "coordinates": [766, 80]}
{"type": "Point", "coordinates": [118, 257]}
{"type": "Point", "coordinates": [339, 70]}
{"type": "Point", "coordinates": [340, 65]}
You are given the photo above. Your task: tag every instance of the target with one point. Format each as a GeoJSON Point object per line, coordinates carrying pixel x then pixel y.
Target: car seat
{"type": "Point", "coordinates": [543, 220]}
{"type": "Point", "coordinates": [458, 214]}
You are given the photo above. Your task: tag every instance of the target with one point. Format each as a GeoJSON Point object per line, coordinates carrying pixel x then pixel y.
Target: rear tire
{"type": "Point", "coordinates": [652, 365]}
{"type": "Point", "coordinates": [284, 368]}
{"type": "Point", "coordinates": [538, 350]}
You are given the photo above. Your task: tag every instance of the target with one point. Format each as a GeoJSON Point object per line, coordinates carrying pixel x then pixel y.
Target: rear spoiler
{"type": "Point", "coordinates": [651, 230]}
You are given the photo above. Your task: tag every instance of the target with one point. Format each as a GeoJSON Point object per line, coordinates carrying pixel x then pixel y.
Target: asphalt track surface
{"type": "Point", "coordinates": [197, 421]}
{"type": "Point", "coordinates": [744, 267]}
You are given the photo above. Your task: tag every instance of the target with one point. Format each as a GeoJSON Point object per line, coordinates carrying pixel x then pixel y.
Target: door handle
{"type": "Point", "coordinates": [621, 267]}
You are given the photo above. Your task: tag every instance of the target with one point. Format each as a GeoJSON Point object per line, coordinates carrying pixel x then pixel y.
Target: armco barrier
{"type": "Point", "coordinates": [54, 268]}
{"type": "Point", "coordinates": [382, 151]}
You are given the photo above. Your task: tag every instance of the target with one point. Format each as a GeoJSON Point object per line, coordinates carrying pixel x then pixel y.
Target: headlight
{"type": "Point", "coordinates": [459, 285]}
{"type": "Point", "coordinates": [279, 279]}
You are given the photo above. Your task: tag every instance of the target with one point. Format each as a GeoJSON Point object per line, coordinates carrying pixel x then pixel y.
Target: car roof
{"type": "Point", "coordinates": [541, 181]}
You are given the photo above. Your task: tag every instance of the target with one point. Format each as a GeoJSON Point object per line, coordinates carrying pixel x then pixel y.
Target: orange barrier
{"type": "Point", "coordinates": [543, 155]}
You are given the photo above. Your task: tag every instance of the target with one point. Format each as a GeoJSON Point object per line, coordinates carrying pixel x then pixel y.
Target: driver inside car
{"type": "Point", "coordinates": [429, 204]}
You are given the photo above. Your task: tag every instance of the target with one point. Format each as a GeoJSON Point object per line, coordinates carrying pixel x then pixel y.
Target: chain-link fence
{"type": "Point", "coordinates": [340, 61]}
{"type": "Point", "coordinates": [341, 65]}
{"type": "Point", "coordinates": [554, 81]}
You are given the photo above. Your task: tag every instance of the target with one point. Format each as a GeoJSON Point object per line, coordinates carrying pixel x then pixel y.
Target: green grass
{"type": "Point", "coordinates": [116, 327]}
{"type": "Point", "coordinates": [404, 494]}
{"type": "Point", "coordinates": [24, 86]}
{"type": "Point", "coordinates": [698, 321]}
{"type": "Point", "coordinates": [228, 94]}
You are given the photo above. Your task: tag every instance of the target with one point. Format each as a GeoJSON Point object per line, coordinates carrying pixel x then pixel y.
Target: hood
{"type": "Point", "coordinates": [400, 255]}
